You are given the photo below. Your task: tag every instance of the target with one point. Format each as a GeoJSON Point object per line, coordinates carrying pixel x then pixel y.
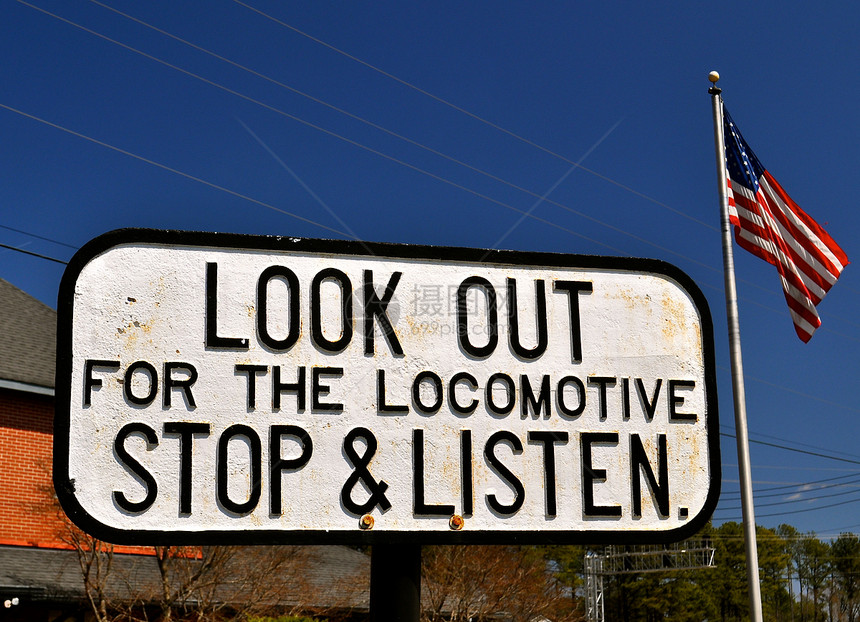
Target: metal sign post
{"type": "Point", "coordinates": [395, 583]}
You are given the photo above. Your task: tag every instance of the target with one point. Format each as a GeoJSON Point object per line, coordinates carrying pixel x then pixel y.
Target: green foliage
{"type": "Point", "coordinates": [802, 579]}
{"type": "Point", "coordinates": [774, 559]}
{"type": "Point", "coordinates": [714, 594]}
{"type": "Point", "coordinates": [815, 571]}
{"type": "Point", "coordinates": [845, 552]}
{"type": "Point", "coordinates": [728, 585]}
{"type": "Point", "coordinates": [671, 595]}
{"type": "Point", "coordinates": [566, 563]}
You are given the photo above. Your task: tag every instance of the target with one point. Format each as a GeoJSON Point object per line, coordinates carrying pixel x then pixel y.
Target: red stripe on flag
{"type": "Point", "coordinates": [808, 260]}
{"type": "Point", "coordinates": [815, 268]}
{"type": "Point", "coordinates": [787, 261]}
{"type": "Point", "coordinates": [813, 240]}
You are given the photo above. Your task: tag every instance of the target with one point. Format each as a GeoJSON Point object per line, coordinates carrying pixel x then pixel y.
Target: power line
{"type": "Point", "coordinates": [401, 162]}
{"type": "Point", "coordinates": [330, 133]}
{"type": "Point", "coordinates": [787, 501]}
{"type": "Point", "coordinates": [367, 122]}
{"type": "Point", "coordinates": [417, 144]}
{"type": "Point", "coordinates": [803, 489]}
{"type": "Point", "coordinates": [823, 507]}
{"type": "Point", "coordinates": [379, 153]}
{"type": "Point", "coordinates": [794, 467]}
{"type": "Point", "coordinates": [786, 440]}
{"type": "Point", "coordinates": [173, 170]}
{"type": "Point", "coordinates": [575, 165]}
{"type": "Point", "coordinates": [39, 237]}
{"type": "Point", "coordinates": [842, 529]}
{"type": "Point", "coordinates": [21, 250]}
{"type": "Point", "coordinates": [800, 451]}
{"type": "Point", "coordinates": [278, 209]}
{"type": "Point", "coordinates": [533, 194]}
{"type": "Point", "coordinates": [775, 537]}
{"type": "Point", "coordinates": [827, 450]}
{"type": "Point", "coordinates": [798, 484]}
{"type": "Point", "coordinates": [396, 160]}
{"type": "Point", "coordinates": [471, 114]}
{"type": "Point", "coordinates": [795, 391]}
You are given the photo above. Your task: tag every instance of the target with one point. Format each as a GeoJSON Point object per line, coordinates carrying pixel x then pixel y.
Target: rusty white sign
{"type": "Point", "coordinates": [225, 388]}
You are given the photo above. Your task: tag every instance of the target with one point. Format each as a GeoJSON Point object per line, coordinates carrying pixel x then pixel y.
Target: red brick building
{"type": "Point", "coordinates": [28, 331]}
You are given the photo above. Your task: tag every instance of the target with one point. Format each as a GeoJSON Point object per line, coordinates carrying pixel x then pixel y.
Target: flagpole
{"type": "Point", "coordinates": [736, 360]}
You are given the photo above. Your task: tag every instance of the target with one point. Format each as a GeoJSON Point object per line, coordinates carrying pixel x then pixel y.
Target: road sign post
{"type": "Point", "coordinates": [395, 583]}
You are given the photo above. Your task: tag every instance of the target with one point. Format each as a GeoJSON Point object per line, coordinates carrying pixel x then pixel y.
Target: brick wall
{"type": "Point", "coordinates": [27, 514]}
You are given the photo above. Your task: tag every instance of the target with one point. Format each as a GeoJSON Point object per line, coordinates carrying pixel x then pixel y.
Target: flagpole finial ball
{"type": "Point", "coordinates": [713, 77]}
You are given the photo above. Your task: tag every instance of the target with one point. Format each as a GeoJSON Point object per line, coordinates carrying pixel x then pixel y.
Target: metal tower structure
{"type": "Point", "coordinates": [617, 560]}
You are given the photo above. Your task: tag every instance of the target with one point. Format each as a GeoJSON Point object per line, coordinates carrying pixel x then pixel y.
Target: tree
{"type": "Point", "coordinates": [727, 583]}
{"type": "Point", "coordinates": [463, 583]}
{"type": "Point", "coordinates": [208, 583]}
{"type": "Point", "coordinates": [791, 537]}
{"type": "Point", "coordinates": [814, 569]}
{"type": "Point", "coordinates": [655, 596]}
{"type": "Point", "coordinates": [95, 559]}
{"type": "Point", "coordinates": [642, 586]}
{"type": "Point", "coordinates": [845, 552]}
{"type": "Point", "coordinates": [566, 562]}
{"type": "Point", "coordinates": [774, 558]}
{"type": "Point", "coordinates": [194, 583]}
{"type": "Point", "coordinates": [201, 583]}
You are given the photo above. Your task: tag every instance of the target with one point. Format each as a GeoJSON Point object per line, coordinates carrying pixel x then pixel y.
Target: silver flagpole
{"type": "Point", "coordinates": [737, 362]}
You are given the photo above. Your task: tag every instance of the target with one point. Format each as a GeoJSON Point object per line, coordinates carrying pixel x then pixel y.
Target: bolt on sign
{"type": "Point", "coordinates": [228, 388]}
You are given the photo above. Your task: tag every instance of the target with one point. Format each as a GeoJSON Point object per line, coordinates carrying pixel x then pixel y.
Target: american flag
{"type": "Point", "coordinates": [771, 226]}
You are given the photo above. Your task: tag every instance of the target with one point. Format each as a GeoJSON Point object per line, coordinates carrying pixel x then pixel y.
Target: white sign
{"type": "Point", "coordinates": [226, 388]}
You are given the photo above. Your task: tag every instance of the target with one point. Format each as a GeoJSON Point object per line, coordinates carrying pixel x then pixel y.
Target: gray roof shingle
{"type": "Point", "coordinates": [28, 338]}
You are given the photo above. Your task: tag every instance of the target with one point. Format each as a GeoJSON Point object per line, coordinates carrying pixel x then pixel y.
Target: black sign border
{"type": "Point", "coordinates": [65, 488]}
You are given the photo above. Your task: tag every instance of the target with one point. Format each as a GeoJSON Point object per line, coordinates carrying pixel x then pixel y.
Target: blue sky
{"type": "Point", "coordinates": [441, 124]}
